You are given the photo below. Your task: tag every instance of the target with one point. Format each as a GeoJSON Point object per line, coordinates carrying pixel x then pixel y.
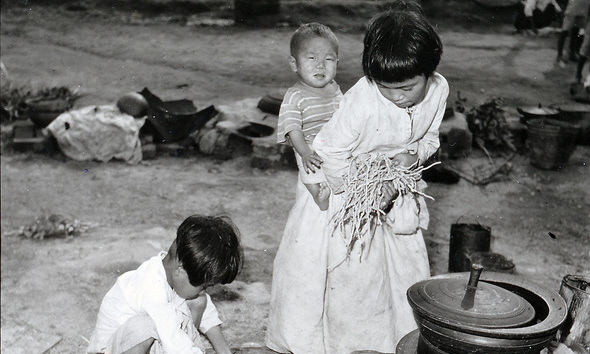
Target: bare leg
{"type": "Point", "coordinates": [580, 68]}
{"type": "Point", "coordinates": [575, 43]}
{"type": "Point", "coordinates": [561, 43]}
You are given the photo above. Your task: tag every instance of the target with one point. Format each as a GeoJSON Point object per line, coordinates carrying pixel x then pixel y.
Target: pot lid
{"type": "Point", "coordinates": [469, 303]}
{"type": "Point", "coordinates": [538, 110]}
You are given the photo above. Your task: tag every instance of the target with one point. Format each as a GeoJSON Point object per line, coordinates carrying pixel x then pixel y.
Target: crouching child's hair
{"type": "Point", "coordinates": [208, 247]}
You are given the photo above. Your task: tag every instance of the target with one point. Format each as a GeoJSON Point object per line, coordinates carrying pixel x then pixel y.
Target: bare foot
{"type": "Point", "coordinates": [323, 199]}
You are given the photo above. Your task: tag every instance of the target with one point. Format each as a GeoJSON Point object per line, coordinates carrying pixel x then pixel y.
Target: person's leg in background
{"type": "Point", "coordinates": [571, 26]}
{"type": "Point", "coordinates": [566, 27]}
{"type": "Point", "coordinates": [583, 53]}
{"type": "Point", "coordinates": [546, 17]}
{"type": "Point", "coordinates": [576, 39]}
{"type": "Point", "coordinates": [521, 22]}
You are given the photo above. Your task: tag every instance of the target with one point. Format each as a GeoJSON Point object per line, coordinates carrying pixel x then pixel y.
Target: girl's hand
{"type": "Point", "coordinates": [405, 159]}
{"type": "Point", "coordinates": [311, 161]}
{"type": "Point", "coordinates": [389, 194]}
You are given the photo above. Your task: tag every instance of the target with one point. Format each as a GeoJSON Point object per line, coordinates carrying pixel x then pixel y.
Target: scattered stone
{"type": "Point", "coordinates": [36, 145]}
{"type": "Point", "coordinates": [185, 148]}
{"type": "Point", "coordinates": [265, 154]}
{"type": "Point", "coordinates": [24, 129]}
{"type": "Point", "coordinates": [148, 151]}
{"type": "Point", "coordinates": [146, 139]}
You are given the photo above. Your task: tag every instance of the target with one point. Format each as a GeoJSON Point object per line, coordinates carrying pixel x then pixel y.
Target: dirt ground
{"type": "Point", "coordinates": [51, 289]}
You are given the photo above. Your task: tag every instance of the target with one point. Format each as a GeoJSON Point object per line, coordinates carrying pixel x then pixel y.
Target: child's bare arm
{"type": "Point", "coordinates": [215, 336]}
{"type": "Point", "coordinates": [197, 307]}
{"type": "Point", "coordinates": [311, 160]}
{"type": "Point", "coordinates": [218, 341]}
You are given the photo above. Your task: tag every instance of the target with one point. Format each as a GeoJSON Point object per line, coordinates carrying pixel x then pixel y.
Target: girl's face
{"type": "Point", "coordinates": [316, 62]}
{"type": "Point", "coordinates": [406, 93]}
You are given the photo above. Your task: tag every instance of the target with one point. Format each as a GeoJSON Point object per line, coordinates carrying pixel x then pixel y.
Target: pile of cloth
{"type": "Point", "coordinates": [98, 133]}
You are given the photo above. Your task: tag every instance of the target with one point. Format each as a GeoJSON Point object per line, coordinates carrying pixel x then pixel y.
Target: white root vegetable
{"type": "Point", "coordinates": [360, 214]}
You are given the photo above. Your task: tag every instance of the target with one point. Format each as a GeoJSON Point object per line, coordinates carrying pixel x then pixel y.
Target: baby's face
{"type": "Point", "coordinates": [316, 62]}
{"type": "Point", "coordinates": [406, 93]}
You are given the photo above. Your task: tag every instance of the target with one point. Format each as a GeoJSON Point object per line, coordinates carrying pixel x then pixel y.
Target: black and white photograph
{"type": "Point", "coordinates": [295, 176]}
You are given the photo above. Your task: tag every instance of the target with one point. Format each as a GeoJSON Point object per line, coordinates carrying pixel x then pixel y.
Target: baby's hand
{"type": "Point", "coordinates": [405, 159]}
{"type": "Point", "coordinates": [311, 161]}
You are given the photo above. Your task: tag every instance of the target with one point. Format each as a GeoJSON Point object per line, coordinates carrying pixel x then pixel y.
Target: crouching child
{"type": "Point", "coordinates": [162, 306]}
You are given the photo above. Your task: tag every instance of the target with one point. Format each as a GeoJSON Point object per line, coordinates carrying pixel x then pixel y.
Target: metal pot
{"type": "Point", "coordinates": [491, 313]}
{"type": "Point", "coordinates": [573, 111]}
{"type": "Point", "coordinates": [43, 111]}
{"type": "Point", "coordinates": [578, 113]}
{"type": "Point", "coordinates": [533, 112]}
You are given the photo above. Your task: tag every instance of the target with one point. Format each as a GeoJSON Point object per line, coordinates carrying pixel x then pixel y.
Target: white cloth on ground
{"type": "Point", "coordinates": [98, 133]}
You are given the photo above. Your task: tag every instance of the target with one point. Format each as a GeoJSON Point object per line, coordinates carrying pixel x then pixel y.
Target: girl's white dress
{"type": "Point", "coordinates": [323, 301]}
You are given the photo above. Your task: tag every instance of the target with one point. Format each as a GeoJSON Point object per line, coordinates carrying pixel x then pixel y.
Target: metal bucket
{"type": "Point", "coordinates": [575, 333]}
{"type": "Point", "coordinates": [551, 142]}
{"type": "Point", "coordinates": [466, 239]}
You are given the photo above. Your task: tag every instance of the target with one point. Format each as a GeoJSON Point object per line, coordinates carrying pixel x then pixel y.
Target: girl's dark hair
{"type": "Point", "coordinates": [400, 44]}
{"type": "Point", "coordinates": [209, 249]}
{"type": "Point", "coordinates": [312, 30]}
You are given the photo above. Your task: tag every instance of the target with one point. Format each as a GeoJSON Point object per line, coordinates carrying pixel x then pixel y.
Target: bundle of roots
{"type": "Point", "coordinates": [360, 213]}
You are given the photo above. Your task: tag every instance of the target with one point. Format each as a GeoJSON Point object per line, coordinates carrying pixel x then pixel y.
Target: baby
{"type": "Point", "coordinates": [310, 103]}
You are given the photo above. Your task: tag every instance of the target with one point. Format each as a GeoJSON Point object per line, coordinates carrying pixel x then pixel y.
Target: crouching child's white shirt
{"type": "Point", "coordinates": [146, 291]}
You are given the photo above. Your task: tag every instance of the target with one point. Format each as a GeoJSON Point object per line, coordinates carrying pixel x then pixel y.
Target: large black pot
{"type": "Point", "coordinates": [447, 326]}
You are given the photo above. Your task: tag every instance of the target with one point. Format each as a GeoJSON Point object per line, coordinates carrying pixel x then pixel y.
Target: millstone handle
{"type": "Point", "coordinates": [476, 270]}
{"type": "Point", "coordinates": [469, 298]}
